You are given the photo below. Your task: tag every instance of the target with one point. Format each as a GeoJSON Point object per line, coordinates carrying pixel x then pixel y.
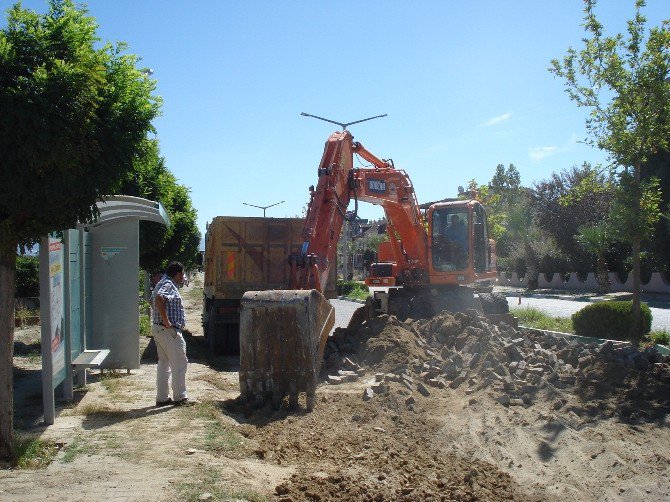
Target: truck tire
{"type": "Point", "coordinates": [231, 339]}
{"type": "Point", "coordinates": [214, 336]}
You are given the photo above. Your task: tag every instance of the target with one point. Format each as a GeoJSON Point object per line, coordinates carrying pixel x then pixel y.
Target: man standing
{"type": "Point", "coordinates": [168, 322]}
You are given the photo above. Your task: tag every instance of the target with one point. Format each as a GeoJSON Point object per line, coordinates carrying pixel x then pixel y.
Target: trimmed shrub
{"type": "Point", "coordinates": [352, 289]}
{"type": "Point", "coordinates": [612, 320]}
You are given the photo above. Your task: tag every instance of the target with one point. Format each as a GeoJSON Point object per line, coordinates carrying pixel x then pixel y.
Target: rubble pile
{"type": "Point", "coordinates": [466, 351]}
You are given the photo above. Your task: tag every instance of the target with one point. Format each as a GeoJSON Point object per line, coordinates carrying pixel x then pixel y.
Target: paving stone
{"type": "Point", "coordinates": [422, 389]}
{"type": "Point", "coordinates": [334, 380]}
{"type": "Point", "coordinates": [368, 394]}
{"type": "Point", "coordinates": [504, 400]}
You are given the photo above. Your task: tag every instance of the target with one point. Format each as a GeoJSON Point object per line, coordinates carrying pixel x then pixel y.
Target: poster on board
{"type": "Point", "coordinates": [56, 313]}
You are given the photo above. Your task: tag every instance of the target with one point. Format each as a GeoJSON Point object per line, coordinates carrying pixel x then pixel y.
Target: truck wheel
{"type": "Point", "coordinates": [214, 336]}
{"type": "Point", "coordinates": [231, 339]}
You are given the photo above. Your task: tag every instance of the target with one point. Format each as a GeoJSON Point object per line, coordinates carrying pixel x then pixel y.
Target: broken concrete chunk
{"type": "Point", "coordinates": [334, 380]}
{"type": "Point", "coordinates": [368, 394]}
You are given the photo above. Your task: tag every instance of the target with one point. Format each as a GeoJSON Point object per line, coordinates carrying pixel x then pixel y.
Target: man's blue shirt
{"type": "Point", "coordinates": [173, 304]}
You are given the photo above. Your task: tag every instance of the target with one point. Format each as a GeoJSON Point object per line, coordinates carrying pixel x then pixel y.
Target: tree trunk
{"type": "Point", "coordinates": [532, 268]}
{"type": "Point", "coordinates": [636, 334]}
{"type": "Point", "coordinates": [602, 277]}
{"type": "Point", "coordinates": [7, 283]}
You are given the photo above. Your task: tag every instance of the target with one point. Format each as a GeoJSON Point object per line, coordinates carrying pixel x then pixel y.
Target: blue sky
{"type": "Point", "coordinates": [464, 83]}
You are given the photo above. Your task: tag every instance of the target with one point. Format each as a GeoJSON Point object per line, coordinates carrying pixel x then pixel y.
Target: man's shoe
{"type": "Point", "coordinates": [185, 402]}
{"type": "Point", "coordinates": [165, 403]}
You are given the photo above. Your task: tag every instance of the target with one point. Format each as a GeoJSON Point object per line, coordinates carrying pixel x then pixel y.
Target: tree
{"type": "Point", "coordinates": [504, 195]}
{"type": "Point", "coordinates": [27, 276]}
{"type": "Point", "coordinates": [596, 239]}
{"type": "Point", "coordinates": [159, 245]}
{"type": "Point", "coordinates": [658, 166]}
{"type": "Point", "coordinates": [72, 118]}
{"type": "Point", "coordinates": [568, 201]}
{"type": "Point", "coordinates": [623, 81]}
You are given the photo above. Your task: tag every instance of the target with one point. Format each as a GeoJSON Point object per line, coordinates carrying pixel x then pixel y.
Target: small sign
{"type": "Point", "coordinates": [109, 252]}
{"type": "Point", "coordinates": [377, 186]}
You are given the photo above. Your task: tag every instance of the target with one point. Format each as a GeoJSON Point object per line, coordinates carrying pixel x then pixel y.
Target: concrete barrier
{"type": "Point", "coordinates": [657, 283]}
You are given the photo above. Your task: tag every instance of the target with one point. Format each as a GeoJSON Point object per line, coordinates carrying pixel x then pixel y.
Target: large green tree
{"type": "Point", "coordinates": [623, 81]}
{"type": "Point", "coordinates": [568, 201]}
{"type": "Point", "coordinates": [73, 114]}
{"type": "Point", "coordinates": [159, 245]}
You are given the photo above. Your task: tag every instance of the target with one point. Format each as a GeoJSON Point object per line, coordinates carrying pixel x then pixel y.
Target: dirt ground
{"type": "Point", "coordinates": [451, 442]}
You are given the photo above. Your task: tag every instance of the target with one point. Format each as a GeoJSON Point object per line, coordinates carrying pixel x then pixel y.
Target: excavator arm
{"type": "Point", "coordinates": [338, 183]}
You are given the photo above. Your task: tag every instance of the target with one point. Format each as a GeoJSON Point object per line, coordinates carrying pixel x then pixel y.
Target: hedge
{"type": "Point", "coordinates": [612, 320]}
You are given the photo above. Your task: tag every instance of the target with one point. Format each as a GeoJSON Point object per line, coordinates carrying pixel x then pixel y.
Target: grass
{"type": "Point", "coordinates": [112, 381]}
{"type": "Point", "coordinates": [660, 337]}
{"type": "Point", "coordinates": [96, 409]}
{"type": "Point", "coordinates": [211, 483]}
{"type": "Point", "coordinates": [30, 452]}
{"type": "Point", "coordinates": [77, 447]}
{"type": "Point", "coordinates": [534, 318]}
{"type": "Point", "coordinates": [218, 437]}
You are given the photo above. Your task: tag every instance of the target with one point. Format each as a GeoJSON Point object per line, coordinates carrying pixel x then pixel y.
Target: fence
{"type": "Point", "coordinates": [658, 283]}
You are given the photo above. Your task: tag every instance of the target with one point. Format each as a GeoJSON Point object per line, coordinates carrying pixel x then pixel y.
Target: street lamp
{"type": "Point", "coordinates": [264, 207]}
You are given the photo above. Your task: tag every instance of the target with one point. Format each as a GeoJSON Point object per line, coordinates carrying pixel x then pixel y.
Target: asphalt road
{"type": "Point", "coordinates": [344, 309]}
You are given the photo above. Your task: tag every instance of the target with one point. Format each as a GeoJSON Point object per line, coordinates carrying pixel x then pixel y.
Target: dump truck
{"type": "Point", "coordinates": [245, 254]}
{"type": "Point", "coordinates": [439, 254]}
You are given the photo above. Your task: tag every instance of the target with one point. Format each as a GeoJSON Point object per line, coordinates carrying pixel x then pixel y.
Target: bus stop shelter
{"type": "Point", "coordinates": [89, 280]}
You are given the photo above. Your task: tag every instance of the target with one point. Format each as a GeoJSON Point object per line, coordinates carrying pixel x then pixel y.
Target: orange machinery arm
{"type": "Point", "coordinates": [338, 183]}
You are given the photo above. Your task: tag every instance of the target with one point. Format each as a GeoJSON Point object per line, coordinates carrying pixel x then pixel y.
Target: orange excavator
{"type": "Point", "coordinates": [438, 250]}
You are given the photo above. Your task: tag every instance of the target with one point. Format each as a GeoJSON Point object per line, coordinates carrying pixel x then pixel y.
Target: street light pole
{"type": "Point", "coordinates": [264, 207]}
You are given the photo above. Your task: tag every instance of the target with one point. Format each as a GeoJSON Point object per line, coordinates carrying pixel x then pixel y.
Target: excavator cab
{"type": "Point", "coordinates": [460, 249]}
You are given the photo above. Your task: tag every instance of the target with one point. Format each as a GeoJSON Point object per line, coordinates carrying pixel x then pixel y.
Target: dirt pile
{"type": "Point", "coordinates": [518, 366]}
{"type": "Point", "coordinates": [366, 451]}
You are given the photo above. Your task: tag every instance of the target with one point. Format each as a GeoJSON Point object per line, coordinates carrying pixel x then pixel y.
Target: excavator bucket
{"type": "Point", "coordinates": [282, 337]}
